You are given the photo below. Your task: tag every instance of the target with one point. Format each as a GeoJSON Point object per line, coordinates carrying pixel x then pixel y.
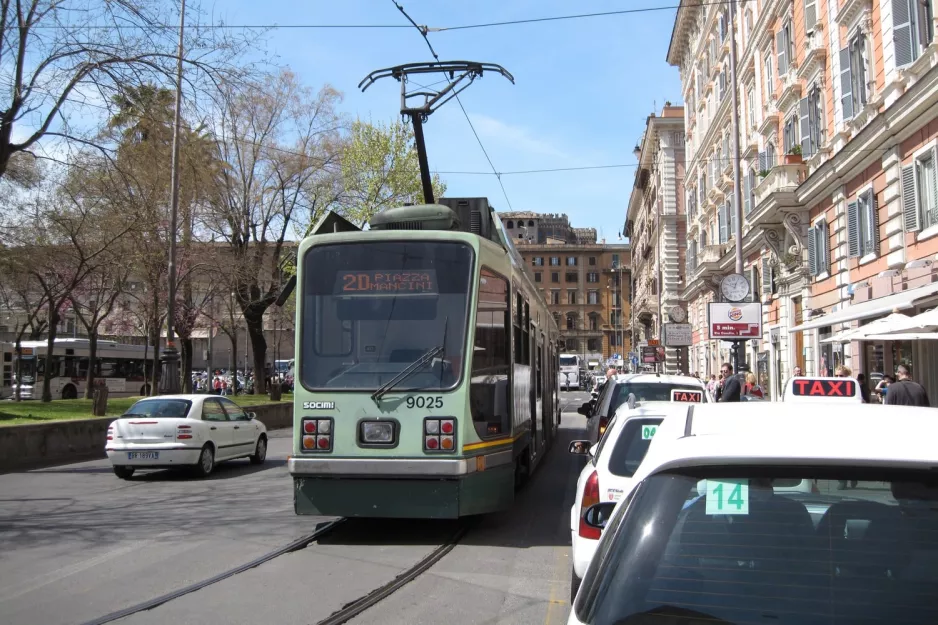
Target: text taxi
{"type": "Point", "coordinates": [822, 389]}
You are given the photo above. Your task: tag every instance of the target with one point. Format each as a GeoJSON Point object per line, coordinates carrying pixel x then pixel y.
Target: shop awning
{"type": "Point", "coordinates": [872, 308]}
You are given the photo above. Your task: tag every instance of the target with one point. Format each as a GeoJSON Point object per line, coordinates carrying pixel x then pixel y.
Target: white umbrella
{"type": "Point", "coordinates": [894, 322]}
{"type": "Point", "coordinates": [926, 322]}
{"type": "Point", "coordinates": [903, 336]}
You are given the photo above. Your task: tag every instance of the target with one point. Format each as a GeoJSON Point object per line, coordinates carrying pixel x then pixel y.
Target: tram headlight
{"type": "Point", "coordinates": [377, 432]}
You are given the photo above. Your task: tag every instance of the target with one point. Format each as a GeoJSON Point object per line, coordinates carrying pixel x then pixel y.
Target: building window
{"type": "Point", "coordinates": [593, 345]}
{"type": "Point", "coordinates": [790, 133]}
{"type": "Point", "coordinates": [537, 276]}
{"type": "Point", "coordinates": [809, 110]}
{"type": "Point", "coordinates": [722, 26]}
{"type": "Point", "coordinates": [555, 276]}
{"type": "Point", "coordinates": [530, 223]}
{"type": "Point", "coordinates": [592, 297]}
{"type": "Point", "coordinates": [510, 225]}
{"type": "Point", "coordinates": [573, 345]}
{"type": "Point", "coordinates": [592, 277]}
{"type": "Point", "coordinates": [571, 276]}
{"type": "Point", "coordinates": [920, 192]}
{"type": "Point", "coordinates": [555, 297]}
{"type": "Point", "coordinates": [819, 249]}
{"type": "Point", "coordinates": [769, 79]}
{"type": "Point", "coordinates": [592, 261]}
{"type": "Point", "coordinates": [767, 158]}
{"type": "Point", "coordinates": [554, 261]}
{"type": "Point", "coordinates": [913, 29]}
{"type": "Point", "coordinates": [810, 15]}
{"type": "Point", "coordinates": [571, 296]}
{"type": "Point", "coordinates": [853, 76]}
{"type": "Point", "coordinates": [571, 261]}
{"type": "Point", "coordinates": [748, 23]}
{"type": "Point", "coordinates": [862, 226]}
{"type": "Point", "coordinates": [783, 48]}
{"type": "Point", "coordinates": [615, 261]}
{"type": "Point", "coordinates": [538, 261]}
{"type": "Point", "coordinates": [571, 321]}
{"type": "Point", "coordinates": [751, 101]}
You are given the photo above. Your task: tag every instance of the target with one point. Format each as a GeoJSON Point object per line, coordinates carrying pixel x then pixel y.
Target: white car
{"type": "Point", "coordinates": [608, 474]}
{"type": "Point", "coordinates": [647, 387]}
{"type": "Point", "coordinates": [184, 431]}
{"type": "Point", "coordinates": [709, 533]}
{"type": "Point", "coordinates": [803, 389]}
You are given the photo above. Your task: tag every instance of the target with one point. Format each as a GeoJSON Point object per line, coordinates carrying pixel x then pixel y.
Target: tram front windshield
{"type": "Point", "coordinates": [371, 310]}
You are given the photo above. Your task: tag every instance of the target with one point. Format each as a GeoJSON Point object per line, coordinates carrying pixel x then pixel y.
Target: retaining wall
{"type": "Point", "coordinates": [40, 445]}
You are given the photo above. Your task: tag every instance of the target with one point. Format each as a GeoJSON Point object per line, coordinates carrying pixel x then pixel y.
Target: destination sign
{"type": "Point", "coordinates": [386, 281]}
{"type": "Point", "coordinates": [807, 387]}
{"type": "Point", "coordinates": [690, 397]}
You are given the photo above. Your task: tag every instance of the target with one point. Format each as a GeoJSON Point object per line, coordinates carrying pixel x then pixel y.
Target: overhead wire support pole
{"type": "Point", "coordinates": [738, 346]}
{"type": "Point", "coordinates": [431, 99]}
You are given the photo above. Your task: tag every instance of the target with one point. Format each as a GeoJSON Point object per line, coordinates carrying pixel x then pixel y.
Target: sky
{"type": "Point", "coordinates": [583, 91]}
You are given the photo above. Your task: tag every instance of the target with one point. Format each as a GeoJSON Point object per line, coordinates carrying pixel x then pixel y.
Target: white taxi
{"type": "Point", "coordinates": [184, 431]}
{"type": "Point", "coordinates": [613, 462]}
{"type": "Point", "coordinates": [709, 533]}
{"type": "Point", "coordinates": [646, 387]}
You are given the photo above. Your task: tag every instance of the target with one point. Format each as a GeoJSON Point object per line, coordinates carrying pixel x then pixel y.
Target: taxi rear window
{"type": "Point", "coordinates": [860, 546]}
{"type": "Point", "coordinates": [159, 408]}
{"type": "Point", "coordinates": [632, 445]}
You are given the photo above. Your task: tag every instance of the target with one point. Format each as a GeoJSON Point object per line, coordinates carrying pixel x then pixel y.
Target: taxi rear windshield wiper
{"type": "Point", "coordinates": [411, 368]}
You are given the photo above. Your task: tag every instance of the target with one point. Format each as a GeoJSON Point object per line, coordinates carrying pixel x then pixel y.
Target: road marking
{"type": "Point", "coordinates": [553, 602]}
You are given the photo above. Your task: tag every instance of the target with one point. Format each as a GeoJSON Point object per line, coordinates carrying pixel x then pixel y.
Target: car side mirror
{"type": "Point", "coordinates": [252, 415]}
{"type": "Point", "coordinates": [579, 448]}
{"type": "Point", "coordinates": [585, 409]}
{"type": "Point", "coordinates": [599, 514]}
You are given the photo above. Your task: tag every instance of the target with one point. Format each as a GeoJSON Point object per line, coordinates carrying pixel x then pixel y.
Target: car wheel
{"type": "Point", "coordinates": [574, 585]}
{"type": "Point", "coordinates": [206, 462]}
{"type": "Point", "coordinates": [124, 473]}
{"type": "Point", "coordinates": [260, 452]}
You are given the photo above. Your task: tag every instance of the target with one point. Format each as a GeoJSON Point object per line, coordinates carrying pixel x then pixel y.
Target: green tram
{"type": "Point", "coordinates": [426, 366]}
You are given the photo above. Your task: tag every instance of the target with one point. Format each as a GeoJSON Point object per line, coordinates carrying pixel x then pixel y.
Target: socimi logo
{"type": "Point", "coordinates": [735, 314]}
{"type": "Point", "coordinates": [318, 405]}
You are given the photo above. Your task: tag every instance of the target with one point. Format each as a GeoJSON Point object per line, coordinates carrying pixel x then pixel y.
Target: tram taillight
{"type": "Point", "coordinates": [317, 434]}
{"type": "Point", "coordinates": [439, 434]}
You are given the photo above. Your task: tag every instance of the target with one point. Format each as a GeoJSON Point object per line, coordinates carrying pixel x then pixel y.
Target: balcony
{"type": "Point", "coordinates": [715, 195]}
{"type": "Point", "coordinates": [776, 192]}
{"type": "Point", "coordinates": [749, 149]}
{"type": "Point", "coordinates": [708, 260]}
{"type": "Point", "coordinates": [791, 91]}
{"type": "Point", "coordinates": [815, 53]}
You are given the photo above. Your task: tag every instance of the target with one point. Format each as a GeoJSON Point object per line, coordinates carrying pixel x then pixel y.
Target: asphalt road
{"type": "Point", "coordinates": [78, 544]}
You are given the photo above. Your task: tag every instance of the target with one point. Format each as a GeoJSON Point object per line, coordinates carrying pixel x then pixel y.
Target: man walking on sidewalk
{"type": "Point", "coordinates": [905, 391]}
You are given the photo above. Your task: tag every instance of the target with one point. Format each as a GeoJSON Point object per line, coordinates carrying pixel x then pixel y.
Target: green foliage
{"type": "Point", "coordinates": [379, 170]}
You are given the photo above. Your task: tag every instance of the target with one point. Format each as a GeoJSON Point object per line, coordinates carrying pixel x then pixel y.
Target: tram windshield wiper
{"type": "Point", "coordinates": [411, 368]}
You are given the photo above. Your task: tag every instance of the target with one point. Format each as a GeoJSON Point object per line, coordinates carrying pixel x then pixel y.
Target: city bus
{"type": "Point", "coordinates": [569, 378]}
{"type": "Point", "coordinates": [120, 366]}
{"type": "Point", "coordinates": [426, 366]}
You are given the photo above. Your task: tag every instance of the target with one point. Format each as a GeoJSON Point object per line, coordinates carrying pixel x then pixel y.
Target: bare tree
{"type": "Point", "coordinates": [63, 58]}
{"type": "Point", "coordinates": [279, 142]}
{"type": "Point", "coordinates": [24, 302]}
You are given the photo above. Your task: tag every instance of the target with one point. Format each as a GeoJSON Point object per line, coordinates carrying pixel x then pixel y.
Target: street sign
{"type": "Point", "coordinates": [735, 321]}
{"type": "Point", "coordinates": [652, 354]}
{"type": "Point", "coordinates": [678, 334]}
{"type": "Point", "coordinates": [653, 342]}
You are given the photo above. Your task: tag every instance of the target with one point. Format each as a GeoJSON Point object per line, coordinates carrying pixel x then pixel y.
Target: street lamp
{"type": "Point", "coordinates": [169, 380]}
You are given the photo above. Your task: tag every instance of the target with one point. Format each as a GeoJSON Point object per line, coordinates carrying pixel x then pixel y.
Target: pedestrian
{"type": "Point", "coordinates": [730, 388]}
{"type": "Point", "coordinates": [610, 373]}
{"type": "Point", "coordinates": [712, 384]}
{"type": "Point", "coordinates": [796, 373]}
{"type": "Point", "coordinates": [842, 371]}
{"type": "Point", "coordinates": [752, 386]}
{"type": "Point", "coordinates": [864, 389]}
{"type": "Point", "coordinates": [882, 388]}
{"type": "Point", "coordinates": [906, 392]}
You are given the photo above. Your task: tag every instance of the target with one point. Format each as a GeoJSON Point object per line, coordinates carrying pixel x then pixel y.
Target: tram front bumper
{"type": "Point", "coordinates": [402, 488]}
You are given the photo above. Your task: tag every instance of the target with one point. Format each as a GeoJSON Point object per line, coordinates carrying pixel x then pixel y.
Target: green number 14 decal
{"type": "Point", "coordinates": [727, 497]}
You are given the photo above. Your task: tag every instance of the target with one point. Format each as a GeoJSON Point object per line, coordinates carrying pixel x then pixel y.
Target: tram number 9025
{"type": "Point", "coordinates": [427, 401]}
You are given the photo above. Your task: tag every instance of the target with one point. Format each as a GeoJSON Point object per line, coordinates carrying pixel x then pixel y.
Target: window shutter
{"type": "Point", "coordinates": [804, 108]}
{"type": "Point", "coordinates": [872, 243]}
{"type": "Point", "coordinates": [853, 230]}
{"type": "Point", "coordinates": [781, 46]}
{"type": "Point", "coordinates": [747, 186]}
{"type": "Point", "coordinates": [731, 219]}
{"type": "Point", "coordinates": [812, 251]}
{"type": "Point", "coordinates": [810, 15]}
{"type": "Point", "coordinates": [754, 284]}
{"type": "Point", "coordinates": [934, 185]}
{"type": "Point", "coordinates": [823, 248]}
{"type": "Point", "coordinates": [721, 217]}
{"type": "Point", "coordinates": [903, 37]}
{"type": "Point", "coordinates": [766, 276]}
{"type": "Point", "coordinates": [910, 214]}
{"type": "Point", "coordinates": [846, 80]}
{"type": "Point", "coordinates": [762, 162]}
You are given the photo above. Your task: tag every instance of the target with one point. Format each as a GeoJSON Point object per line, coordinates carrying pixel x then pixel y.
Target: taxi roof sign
{"type": "Point", "coordinates": [823, 389]}
{"type": "Point", "coordinates": [686, 396]}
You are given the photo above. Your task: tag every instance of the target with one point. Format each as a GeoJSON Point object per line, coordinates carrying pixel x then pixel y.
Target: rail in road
{"type": "Point", "coordinates": [352, 567]}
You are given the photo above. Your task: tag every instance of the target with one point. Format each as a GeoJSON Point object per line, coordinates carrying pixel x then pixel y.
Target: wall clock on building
{"type": "Point", "coordinates": [677, 314]}
{"type": "Point", "coordinates": [735, 287]}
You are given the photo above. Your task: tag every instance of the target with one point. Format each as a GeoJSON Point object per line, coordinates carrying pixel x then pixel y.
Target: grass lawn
{"type": "Point", "coordinates": [13, 413]}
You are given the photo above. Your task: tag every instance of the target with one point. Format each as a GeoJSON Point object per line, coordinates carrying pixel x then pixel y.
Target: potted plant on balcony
{"type": "Point", "coordinates": [794, 156]}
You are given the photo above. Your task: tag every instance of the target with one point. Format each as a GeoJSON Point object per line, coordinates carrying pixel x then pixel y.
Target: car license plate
{"type": "Point", "coordinates": [143, 455]}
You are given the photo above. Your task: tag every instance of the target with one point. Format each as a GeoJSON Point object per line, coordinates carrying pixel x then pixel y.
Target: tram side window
{"type": "Point", "coordinates": [491, 359]}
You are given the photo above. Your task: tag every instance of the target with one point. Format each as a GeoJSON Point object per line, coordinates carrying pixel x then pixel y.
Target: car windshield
{"type": "Point", "coordinates": [370, 310]}
{"type": "Point", "coordinates": [159, 408]}
{"type": "Point", "coordinates": [748, 546]}
{"type": "Point", "coordinates": [632, 445]}
{"type": "Point", "coordinates": [646, 391]}
{"type": "Point", "coordinates": [568, 361]}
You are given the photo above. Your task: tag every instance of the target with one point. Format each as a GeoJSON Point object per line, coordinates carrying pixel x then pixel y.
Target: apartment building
{"type": "Point", "coordinates": [586, 286]}
{"type": "Point", "coordinates": [657, 229]}
{"type": "Point", "coordinates": [838, 127]}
